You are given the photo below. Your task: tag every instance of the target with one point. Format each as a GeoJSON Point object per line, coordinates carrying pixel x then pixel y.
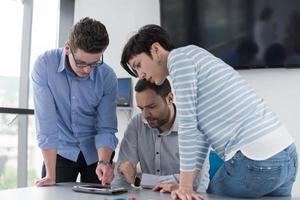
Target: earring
{"type": "Point", "coordinates": [159, 62]}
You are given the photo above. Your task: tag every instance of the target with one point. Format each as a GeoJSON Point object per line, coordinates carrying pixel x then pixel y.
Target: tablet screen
{"type": "Point", "coordinates": [95, 186]}
{"type": "Point", "coordinates": [99, 189]}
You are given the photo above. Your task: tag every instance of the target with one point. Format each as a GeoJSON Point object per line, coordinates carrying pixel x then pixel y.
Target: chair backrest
{"type": "Point", "coordinates": [215, 163]}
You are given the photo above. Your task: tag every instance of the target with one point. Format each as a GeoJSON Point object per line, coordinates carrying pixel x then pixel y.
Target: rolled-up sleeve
{"type": "Point", "coordinates": [106, 114]}
{"type": "Point", "coordinates": [193, 146]}
{"type": "Point", "coordinates": [44, 105]}
{"type": "Point", "coordinates": [128, 151]}
{"type": "Point", "coordinates": [129, 144]}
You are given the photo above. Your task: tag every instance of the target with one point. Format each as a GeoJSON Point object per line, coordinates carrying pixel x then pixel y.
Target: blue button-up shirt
{"type": "Point", "coordinates": [74, 113]}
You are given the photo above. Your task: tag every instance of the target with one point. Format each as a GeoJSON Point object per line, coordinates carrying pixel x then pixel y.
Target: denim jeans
{"type": "Point", "coordinates": [245, 178]}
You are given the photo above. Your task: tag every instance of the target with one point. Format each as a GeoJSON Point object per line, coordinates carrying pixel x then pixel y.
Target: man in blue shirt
{"type": "Point", "coordinates": [75, 107]}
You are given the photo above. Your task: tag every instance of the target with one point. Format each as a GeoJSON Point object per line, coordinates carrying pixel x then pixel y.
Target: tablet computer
{"type": "Point", "coordinates": [99, 189]}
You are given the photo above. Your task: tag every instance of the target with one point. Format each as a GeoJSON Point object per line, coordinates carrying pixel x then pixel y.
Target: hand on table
{"type": "Point", "coordinates": [165, 187]}
{"type": "Point", "coordinates": [46, 181]}
{"type": "Point", "coordinates": [186, 193]}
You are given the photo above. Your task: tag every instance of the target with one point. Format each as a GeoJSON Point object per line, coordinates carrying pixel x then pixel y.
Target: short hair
{"type": "Point", "coordinates": [89, 35]}
{"type": "Point", "coordinates": [162, 90]}
{"type": "Point", "coordinates": [141, 43]}
{"type": "Point", "coordinates": [266, 13]}
{"type": "Point", "coordinates": [275, 55]}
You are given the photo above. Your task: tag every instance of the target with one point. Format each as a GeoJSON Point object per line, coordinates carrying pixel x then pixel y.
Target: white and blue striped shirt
{"type": "Point", "coordinates": [215, 107]}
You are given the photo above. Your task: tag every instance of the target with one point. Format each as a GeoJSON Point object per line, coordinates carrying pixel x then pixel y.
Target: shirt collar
{"type": "Point", "coordinates": [63, 66]}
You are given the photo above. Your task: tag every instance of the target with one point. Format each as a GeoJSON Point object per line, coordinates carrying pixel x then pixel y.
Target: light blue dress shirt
{"type": "Point", "coordinates": [72, 113]}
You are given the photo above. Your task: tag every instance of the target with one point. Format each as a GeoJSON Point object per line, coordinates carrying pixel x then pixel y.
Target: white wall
{"type": "Point", "coordinates": [121, 18]}
{"type": "Point", "coordinates": [279, 87]}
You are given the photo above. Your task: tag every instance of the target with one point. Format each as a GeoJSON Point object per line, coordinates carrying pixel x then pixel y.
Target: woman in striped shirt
{"type": "Point", "coordinates": [216, 108]}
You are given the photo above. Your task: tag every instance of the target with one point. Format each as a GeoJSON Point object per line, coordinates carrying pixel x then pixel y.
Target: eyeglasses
{"type": "Point", "coordinates": [83, 65]}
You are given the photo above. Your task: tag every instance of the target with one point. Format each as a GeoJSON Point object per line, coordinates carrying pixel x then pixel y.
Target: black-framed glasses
{"type": "Point", "coordinates": [83, 65]}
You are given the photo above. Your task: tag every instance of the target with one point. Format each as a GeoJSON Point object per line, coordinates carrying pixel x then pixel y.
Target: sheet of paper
{"type": "Point", "coordinates": [149, 180]}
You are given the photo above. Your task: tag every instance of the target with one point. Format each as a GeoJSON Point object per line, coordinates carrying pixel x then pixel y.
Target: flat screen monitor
{"type": "Point", "coordinates": [124, 98]}
{"type": "Point", "coordinates": [244, 33]}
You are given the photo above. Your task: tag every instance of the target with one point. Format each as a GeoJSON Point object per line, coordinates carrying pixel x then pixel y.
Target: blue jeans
{"type": "Point", "coordinates": [245, 178]}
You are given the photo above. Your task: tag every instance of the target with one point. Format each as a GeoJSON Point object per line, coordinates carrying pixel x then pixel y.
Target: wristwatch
{"type": "Point", "coordinates": [137, 181]}
{"type": "Point", "coordinates": [104, 162]}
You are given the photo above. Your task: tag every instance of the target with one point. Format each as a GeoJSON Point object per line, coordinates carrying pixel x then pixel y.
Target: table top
{"type": "Point", "coordinates": [63, 191]}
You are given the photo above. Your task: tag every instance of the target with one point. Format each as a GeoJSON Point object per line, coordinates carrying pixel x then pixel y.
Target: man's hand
{"type": "Point", "coordinates": [105, 173]}
{"type": "Point", "coordinates": [165, 187]}
{"type": "Point", "coordinates": [50, 166]}
{"type": "Point", "coordinates": [186, 193]}
{"type": "Point", "coordinates": [127, 169]}
{"type": "Point", "coordinates": [46, 181]}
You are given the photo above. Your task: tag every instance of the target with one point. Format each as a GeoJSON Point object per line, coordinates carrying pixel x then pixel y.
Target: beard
{"type": "Point", "coordinates": [158, 122]}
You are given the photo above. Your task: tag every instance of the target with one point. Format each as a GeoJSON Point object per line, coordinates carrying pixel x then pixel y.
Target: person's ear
{"type": "Point", "coordinates": [170, 98]}
{"type": "Point", "coordinates": [155, 49]}
{"type": "Point", "coordinates": [67, 48]}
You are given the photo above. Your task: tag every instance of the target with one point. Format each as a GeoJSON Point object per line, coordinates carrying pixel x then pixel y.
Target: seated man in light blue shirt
{"type": "Point", "coordinates": [75, 107]}
{"type": "Point", "coordinates": [151, 139]}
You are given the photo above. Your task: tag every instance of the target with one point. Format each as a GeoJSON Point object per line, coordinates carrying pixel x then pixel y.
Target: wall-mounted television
{"type": "Point", "coordinates": [244, 33]}
{"type": "Point", "coordinates": [124, 98]}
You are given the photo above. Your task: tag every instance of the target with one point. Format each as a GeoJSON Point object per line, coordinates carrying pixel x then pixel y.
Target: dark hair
{"type": "Point", "coordinates": [266, 13]}
{"type": "Point", "coordinates": [275, 55]}
{"type": "Point", "coordinates": [141, 43]}
{"type": "Point", "coordinates": [247, 47]}
{"type": "Point", "coordinates": [162, 90]}
{"type": "Point", "coordinates": [89, 35]}
{"type": "Point", "coordinates": [292, 40]}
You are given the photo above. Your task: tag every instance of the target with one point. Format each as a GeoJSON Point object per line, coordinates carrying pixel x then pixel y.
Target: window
{"type": "Point", "coordinates": [41, 30]}
{"type": "Point", "coordinates": [11, 19]}
{"type": "Point", "coordinates": [44, 37]}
